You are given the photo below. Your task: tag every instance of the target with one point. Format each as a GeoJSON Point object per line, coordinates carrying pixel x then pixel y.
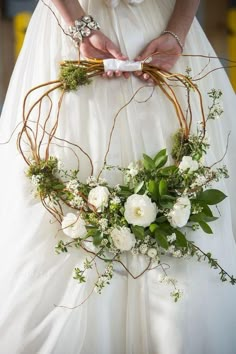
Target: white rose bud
{"type": "Point", "coordinates": [123, 239]}
{"type": "Point", "coordinates": [140, 210]}
{"type": "Point", "coordinates": [188, 163]}
{"type": "Point", "coordinates": [98, 197]}
{"type": "Point", "coordinates": [179, 215]}
{"type": "Point", "coordinates": [73, 226]}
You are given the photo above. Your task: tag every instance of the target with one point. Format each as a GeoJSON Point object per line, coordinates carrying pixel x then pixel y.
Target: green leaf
{"type": "Point", "coordinates": [97, 238]}
{"type": "Point", "coordinates": [59, 186]}
{"type": "Point", "coordinates": [138, 187]}
{"type": "Point", "coordinates": [160, 154]}
{"type": "Point", "coordinates": [153, 227]}
{"type": "Point", "coordinates": [166, 228]}
{"type": "Point", "coordinates": [202, 217]}
{"type": "Point", "coordinates": [153, 189]}
{"type": "Point", "coordinates": [161, 161]}
{"type": "Point", "coordinates": [148, 162]}
{"type": "Point", "coordinates": [211, 196]}
{"type": "Point", "coordinates": [168, 197]}
{"type": "Point", "coordinates": [210, 218]}
{"type": "Point", "coordinates": [167, 171]}
{"type": "Point", "coordinates": [138, 231]}
{"type": "Point", "coordinates": [161, 219]}
{"type": "Point", "coordinates": [206, 209]}
{"type": "Point", "coordinates": [205, 227]}
{"type": "Point", "coordinates": [163, 187]}
{"type": "Point", "coordinates": [161, 239]}
{"type": "Point", "coordinates": [167, 204]}
{"type": "Point", "coordinates": [180, 239]}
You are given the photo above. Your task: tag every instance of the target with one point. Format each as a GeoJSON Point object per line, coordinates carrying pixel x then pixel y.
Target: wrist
{"type": "Point", "coordinates": [83, 28]}
{"type": "Point", "coordinates": [178, 39]}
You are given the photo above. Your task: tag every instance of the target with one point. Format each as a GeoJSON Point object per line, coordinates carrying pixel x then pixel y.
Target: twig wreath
{"type": "Point", "coordinates": [158, 204]}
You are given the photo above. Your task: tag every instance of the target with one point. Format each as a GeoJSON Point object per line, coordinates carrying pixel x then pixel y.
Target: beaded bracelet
{"type": "Point", "coordinates": [82, 28]}
{"type": "Point", "coordinates": [177, 39]}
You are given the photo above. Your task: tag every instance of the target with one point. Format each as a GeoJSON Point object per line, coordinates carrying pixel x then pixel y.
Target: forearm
{"type": "Point", "coordinates": [182, 17]}
{"type": "Point", "coordinates": [70, 10]}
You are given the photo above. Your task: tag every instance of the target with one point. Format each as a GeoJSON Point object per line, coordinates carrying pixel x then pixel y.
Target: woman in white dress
{"type": "Point", "coordinates": [130, 316]}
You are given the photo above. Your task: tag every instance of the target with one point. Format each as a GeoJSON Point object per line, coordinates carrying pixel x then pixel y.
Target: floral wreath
{"type": "Point", "coordinates": [151, 212]}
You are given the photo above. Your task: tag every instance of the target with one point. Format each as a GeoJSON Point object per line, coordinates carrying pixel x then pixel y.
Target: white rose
{"type": "Point", "coordinates": [179, 215]}
{"type": "Point", "coordinates": [152, 252]}
{"type": "Point", "coordinates": [139, 210]}
{"type": "Point", "coordinates": [188, 163]}
{"type": "Point", "coordinates": [123, 239]}
{"type": "Point", "coordinates": [98, 197]}
{"type": "Point", "coordinates": [73, 226]}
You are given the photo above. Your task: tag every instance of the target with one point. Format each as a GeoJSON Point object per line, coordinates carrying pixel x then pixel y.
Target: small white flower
{"type": "Point", "coordinates": [117, 188]}
{"type": "Point", "coordinates": [92, 181]}
{"type": "Point", "coordinates": [188, 163]}
{"type": "Point", "coordinates": [143, 248]}
{"type": "Point", "coordinates": [171, 238]}
{"type": "Point", "coordinates": [199, 181]}
{"type": "Point", "coordinates": [103, 223]}
{"type": "Point", "coordinates": [72, 185]}
{"type": "Point", "coordinates": [165, 279]}
{"type": "Point", "coordinates": [123, 239]}
{"type": "Point", "coordinates": [35, 179]}
{"type": "Point", "coordinates": [179, 215]}
{"type": "Point", "coordinates": [77, 201]}
{"type": "Point", "coordinates": [102, 180]}
{"type": "Point", "coordinates": [140, 210]}
{"type": "Point", "coordinates": [152, 253]}
{"type": "Point", "coordinates": [73, 226]}
{"type": "Point", "coordinates": [98, 197]}
{"type": "Point", "coordinates": [115, 200]}
{"type": "Point", "coordinates": [132, 169]}
{"type": "Point", "coordinates": [171, 249]}
{"type": "Point", "coordinates": [177, 254]}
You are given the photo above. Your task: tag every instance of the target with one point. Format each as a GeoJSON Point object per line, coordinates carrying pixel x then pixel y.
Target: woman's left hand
{"type": "Point", "coordinates": [164, 52]}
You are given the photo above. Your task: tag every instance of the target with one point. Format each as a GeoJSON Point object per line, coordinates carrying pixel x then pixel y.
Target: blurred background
{"type": "Point", "coordinates": [217, 17]}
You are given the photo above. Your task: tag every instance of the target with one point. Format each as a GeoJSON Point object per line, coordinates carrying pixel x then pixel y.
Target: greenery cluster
{"type": "Point", "coordinates": [73, 76]}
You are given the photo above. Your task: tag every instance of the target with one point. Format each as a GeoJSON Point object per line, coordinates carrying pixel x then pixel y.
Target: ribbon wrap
{"type": "Point", "coordinates": [121, 65]}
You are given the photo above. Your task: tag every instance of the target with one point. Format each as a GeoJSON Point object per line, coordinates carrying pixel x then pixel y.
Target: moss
{"type": "Point", "coordinates": [72, 76]}
{"type": "Point", "coordinates": [180, 146]}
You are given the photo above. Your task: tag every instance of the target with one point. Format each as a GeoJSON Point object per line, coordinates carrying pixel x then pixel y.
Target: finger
{"type": "Point", "coordinates": [89, 51]}
{"type": "Point", "coordinates": [118, 73]}
{"type": "Point", "coordinates": [146, 77]}
{"type": "Point", "coordinates": [115, 51]}
{"type": "Point", "coordinates": [107, 75]}
{"type": "Point", "coordinates": [138, 73]}
{"type": "Point", "coordinates": [147, 52]}
{"type": "Point", "coordinates": [126, 75]}
{"type": "Point", "coordinates": [110, 73]}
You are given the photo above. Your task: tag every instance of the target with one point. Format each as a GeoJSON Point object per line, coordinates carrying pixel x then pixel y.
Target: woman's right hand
{"type": "Point", "coordinates": [99, 46]}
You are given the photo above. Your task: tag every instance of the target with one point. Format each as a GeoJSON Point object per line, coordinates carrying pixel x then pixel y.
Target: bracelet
{"type": "Point", "coordinates": [176, 37]}
{"type": "Point", "coordinates": [82, 28]}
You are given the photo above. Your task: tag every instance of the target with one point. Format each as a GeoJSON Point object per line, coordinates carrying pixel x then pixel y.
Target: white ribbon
{"type": "Point", "coordinates": [114, 3]}
{"type": "Point", "coordinates": [121, 65]}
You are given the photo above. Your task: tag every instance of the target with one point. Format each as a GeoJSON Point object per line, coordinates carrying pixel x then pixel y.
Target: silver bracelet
{"type": "Point", "coordinates": [176, 37]}
{"type": "Point", "coordinates": [82, 28]}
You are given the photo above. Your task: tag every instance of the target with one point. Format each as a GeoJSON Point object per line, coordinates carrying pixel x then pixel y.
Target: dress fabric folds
{"type": "Point", "coordinates": [130, 316]}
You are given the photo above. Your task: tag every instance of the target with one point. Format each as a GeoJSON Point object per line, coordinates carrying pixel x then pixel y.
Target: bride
{"type": "Point", "coordinates": [39, 297]}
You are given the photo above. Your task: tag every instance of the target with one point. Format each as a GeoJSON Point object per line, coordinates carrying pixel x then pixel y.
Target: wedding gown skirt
{"type": "Point", "coordinates": [130, 316]}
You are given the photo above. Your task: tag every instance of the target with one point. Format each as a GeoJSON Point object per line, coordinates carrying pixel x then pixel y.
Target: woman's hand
{"type": "Point", "coordinates": [164, 51]}
{"type": "Point", "coordinates": [97, 45]}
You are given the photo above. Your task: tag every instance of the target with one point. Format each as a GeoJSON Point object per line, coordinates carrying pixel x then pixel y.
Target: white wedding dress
{"type": "Point", "coordinates": [130, 316]}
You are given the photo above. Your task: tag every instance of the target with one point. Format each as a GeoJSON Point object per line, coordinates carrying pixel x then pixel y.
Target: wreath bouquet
{"type": "Point", "coordinates": [151, 212]}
